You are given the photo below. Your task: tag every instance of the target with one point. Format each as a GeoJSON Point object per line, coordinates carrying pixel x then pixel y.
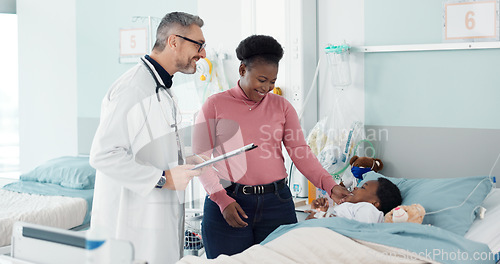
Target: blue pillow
{"type": "Point", "coordinates": [450, 203]}
{"type": "Point", "coordinates": [70, 172]}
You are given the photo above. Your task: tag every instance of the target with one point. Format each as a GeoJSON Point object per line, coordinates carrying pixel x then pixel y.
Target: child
{"type": "Point", "coordinates": [367, 204]}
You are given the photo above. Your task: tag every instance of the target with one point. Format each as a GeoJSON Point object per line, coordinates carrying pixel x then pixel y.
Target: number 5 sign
{"type": "Point", "coordinates": [133, 42]}
{"type": "Point", "coordinates": [471, 20]}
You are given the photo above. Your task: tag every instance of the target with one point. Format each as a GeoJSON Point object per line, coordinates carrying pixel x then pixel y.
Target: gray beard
{"type": "Point", "coordinates": [186, 68]}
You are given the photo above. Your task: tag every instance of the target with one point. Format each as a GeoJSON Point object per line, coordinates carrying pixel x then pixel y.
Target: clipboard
{"type": "Point", "coordinates": [225, 156]}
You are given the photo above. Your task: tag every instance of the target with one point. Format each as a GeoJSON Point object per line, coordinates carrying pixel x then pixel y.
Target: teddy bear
{"type": "Point", "coordinates": [406, 213]}
{"type": "Point", "coordinates": [362, 165]}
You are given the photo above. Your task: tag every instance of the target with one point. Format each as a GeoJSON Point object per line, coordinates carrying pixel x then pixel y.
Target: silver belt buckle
{"type": "Point", "coordinates": [243, 190]}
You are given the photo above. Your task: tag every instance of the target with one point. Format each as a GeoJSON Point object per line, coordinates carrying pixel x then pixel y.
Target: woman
{"type": "Point", "coordinates": [248, 195]}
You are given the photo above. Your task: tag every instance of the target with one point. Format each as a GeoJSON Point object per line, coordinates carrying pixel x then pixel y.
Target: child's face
{"type": "Point", "coordinates": [366, 193]}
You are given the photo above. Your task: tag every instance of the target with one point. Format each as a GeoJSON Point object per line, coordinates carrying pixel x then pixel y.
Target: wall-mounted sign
{"type": "Point", "coordinates": [471, 20]}
{"type": "Point", "coordinates": [133, 44]}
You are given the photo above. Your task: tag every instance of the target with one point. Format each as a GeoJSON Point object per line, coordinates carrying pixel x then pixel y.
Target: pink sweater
{"type": "Point", "coordinates": [226, 123]}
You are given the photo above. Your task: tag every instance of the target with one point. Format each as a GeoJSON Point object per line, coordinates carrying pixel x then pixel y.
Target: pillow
{"type": "Point", "coordinates": [70, 172]}
{"type": "Point", "coordinates": [450, 203]}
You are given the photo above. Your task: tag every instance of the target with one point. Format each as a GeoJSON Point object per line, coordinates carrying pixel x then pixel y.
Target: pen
{"type": "Point", "coordinates": [199, 157]}
{"type": "Point", "coordinates": [204, 160]}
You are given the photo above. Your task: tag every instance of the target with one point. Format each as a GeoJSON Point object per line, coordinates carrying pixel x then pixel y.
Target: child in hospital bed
{"type": "Point", "coordinates": [367, 204]}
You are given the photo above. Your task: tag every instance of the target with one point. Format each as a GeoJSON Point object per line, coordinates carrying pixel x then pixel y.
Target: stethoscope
{"type": "Point", "coordinates": [160, 86]}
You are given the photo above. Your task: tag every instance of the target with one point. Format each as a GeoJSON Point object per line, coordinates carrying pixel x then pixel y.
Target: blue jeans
{"type": "Point", "coordinates": [265, 213]}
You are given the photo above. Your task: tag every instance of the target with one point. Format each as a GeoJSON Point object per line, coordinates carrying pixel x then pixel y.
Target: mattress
{"type": "Point", "coordinates": [55, 211]}
{"type": "Point", "coordinates": [487, 230]}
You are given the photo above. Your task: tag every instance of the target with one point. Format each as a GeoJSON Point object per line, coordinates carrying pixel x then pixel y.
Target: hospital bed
{"type": "Point", "coordinates": [36, 244]}
{"type": "Point", "coordinates": [452, 231]}
{"type": "Point", "coordinates": [58, 193]}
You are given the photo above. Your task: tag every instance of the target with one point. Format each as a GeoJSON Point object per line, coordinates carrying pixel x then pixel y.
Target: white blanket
{"type": "Point", "coordinates": [55, 211]}
{"type": "Point", "coordinates": [316, 245]}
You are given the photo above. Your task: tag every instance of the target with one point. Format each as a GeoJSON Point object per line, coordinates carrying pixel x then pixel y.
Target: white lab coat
{"type": "Point", "coordinates": [133, 144]}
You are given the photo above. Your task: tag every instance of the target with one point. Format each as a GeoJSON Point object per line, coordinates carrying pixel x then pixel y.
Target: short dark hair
{"type": "Point", "coordinates": [171, 21]}
{"type": "Point", "coordinates": [388, 194]}
{"type": "Point", "coordinates": [259, 48]}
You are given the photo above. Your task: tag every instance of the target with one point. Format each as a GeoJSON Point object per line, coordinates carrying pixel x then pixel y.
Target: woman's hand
{"type": "Point", "coordinates": [339, 194]}
{"type": "Point", "coordinates": [232, 215]}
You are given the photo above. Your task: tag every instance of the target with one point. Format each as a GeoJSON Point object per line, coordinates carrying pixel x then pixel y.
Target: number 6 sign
{"type": "Point", "coordinates": [133, 42]}
{"type": "Point", "coordinates": [471, 20]}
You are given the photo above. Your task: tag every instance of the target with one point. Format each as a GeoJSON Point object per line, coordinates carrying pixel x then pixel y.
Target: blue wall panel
{"type": "Point", "coordinates": [98, 45]}
{"type": "Point", "coordinates": [433, 89]}
{"type": "Point", "coordinates": [458, 88]}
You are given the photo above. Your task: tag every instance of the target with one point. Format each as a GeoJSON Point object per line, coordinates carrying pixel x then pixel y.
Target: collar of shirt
{"type": "Point", "coordinates": [164, 75]}
{"type": "Point", "coordinates": [238, 93]}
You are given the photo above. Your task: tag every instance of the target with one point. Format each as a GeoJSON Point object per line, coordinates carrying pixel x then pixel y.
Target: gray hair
{"type": "Point", "coordinates": [174, 21]}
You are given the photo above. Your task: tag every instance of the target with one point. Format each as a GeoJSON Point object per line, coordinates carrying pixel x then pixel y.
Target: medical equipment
{"type": "Point", "coordinates": [210, 77]}
{"type": "Point", "coordinates": [338, 60]}
{"type": "Point", "coordinates": [295, 190]}
{"type": "Point", "coordinates": [47, 245]}
{"type": "Point", "coordinates": [193, 242]}
{"type": "Point", "coordinates": [204, 67]}
{"type": "Point", "coordinates": [331, 140]}
{"type": "Point", "coordinates": [465, 200]}
{"type": "Point", "coordinates": [334, 146]}
{"type": "Point", "coordinates": [299, 183]}
{"type": "Point", "coordinates": [480, 210]}
{"type": "Point", "coordinates": [311, 89]}
{"type": "Point", "coordinates": [320, 214]}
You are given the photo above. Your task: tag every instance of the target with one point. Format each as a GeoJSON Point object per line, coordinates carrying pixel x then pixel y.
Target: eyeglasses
{"type": "Point", "coordinates": [202, 45]}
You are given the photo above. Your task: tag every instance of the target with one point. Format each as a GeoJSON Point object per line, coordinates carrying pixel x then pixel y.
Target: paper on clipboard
{"type": "Point", "coordinates": [225, 156]}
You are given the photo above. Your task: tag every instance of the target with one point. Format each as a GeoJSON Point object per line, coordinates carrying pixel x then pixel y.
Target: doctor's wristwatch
{"type": "Point", "coordinates": [161, 182]}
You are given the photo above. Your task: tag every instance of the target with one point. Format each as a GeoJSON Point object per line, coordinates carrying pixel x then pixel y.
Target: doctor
{"type": "Point", "coordinates": [137, 150]}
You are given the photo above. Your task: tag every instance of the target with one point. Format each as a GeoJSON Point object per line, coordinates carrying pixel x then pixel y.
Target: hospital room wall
{"type": "Point", "coordinates": [8, 6]}
{"type": "Point", "coordinates": [98, 50]}
{"type": "Point", "coordinates": [68, 58]}
{"type": "Point", "coordinates": [47, 80]}
{"type": "Point", "coordinates": [433, 113]}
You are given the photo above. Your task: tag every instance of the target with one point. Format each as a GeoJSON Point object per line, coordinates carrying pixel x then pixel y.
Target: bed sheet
{"type": "Point", "coordinates": [56, 211]}
{"type": "Point", "coordinates": [316, 245]}
{"type": "Point", "coordinates": [54, 190]}
{"type": "Point", "coordinates": [435, 243]}
{"type": "Point", "coordinates": [487, 230]}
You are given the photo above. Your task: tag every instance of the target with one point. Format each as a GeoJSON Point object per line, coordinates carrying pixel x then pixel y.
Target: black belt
{"type": "Point", "coordinates": [257, 189]}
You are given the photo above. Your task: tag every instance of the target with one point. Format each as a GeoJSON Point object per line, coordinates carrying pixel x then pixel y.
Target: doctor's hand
{"type": "Point", "coordinates": [339, 194]}
{"type": "Point", "coordinates": [178, 178]}
{"type": "Point", "coordinates": [232, 215]}
{"type": "Point", "coordinates": [196, 159]}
